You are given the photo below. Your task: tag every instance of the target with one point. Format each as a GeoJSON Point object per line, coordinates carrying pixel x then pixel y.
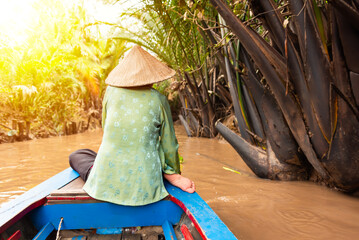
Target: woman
{"type": "Point", "coordinates": [139, 146]}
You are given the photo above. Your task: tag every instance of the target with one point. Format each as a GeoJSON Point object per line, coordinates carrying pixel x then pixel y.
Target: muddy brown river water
{"type": "Point", "coordinates": [252, 208]}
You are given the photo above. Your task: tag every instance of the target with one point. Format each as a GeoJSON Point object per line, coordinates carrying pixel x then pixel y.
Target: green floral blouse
{"type": "Point", "coordinates": [138, 145]}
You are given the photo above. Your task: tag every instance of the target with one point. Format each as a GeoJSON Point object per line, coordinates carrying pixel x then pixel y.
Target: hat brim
{"type": "Point", "coordinates": [139, 68]}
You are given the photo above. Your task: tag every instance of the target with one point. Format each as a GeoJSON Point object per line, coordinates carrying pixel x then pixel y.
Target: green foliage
{"type": "Point", "coordinates": [58, 75]}
{"type": "Point", "coordinates": [173, 31]}
{"type": "Point", "coordinates": [163, 87]}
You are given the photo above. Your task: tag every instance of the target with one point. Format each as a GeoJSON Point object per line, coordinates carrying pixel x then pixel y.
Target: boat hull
{"type": "Point", "coordinates": [181, 216]}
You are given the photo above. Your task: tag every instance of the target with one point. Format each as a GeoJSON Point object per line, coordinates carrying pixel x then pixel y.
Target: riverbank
{"type": "Point", "coordinates": [23, 131]}
{"type": "Point", "coordinates": [251, 207]}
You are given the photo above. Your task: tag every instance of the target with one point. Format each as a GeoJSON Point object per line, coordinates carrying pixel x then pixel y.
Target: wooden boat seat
{"type": "Point", "coordinates": [70, 193]}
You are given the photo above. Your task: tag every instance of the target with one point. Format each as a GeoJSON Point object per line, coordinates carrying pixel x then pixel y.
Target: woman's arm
{"type": "Point", "coordinates": [169, 147]}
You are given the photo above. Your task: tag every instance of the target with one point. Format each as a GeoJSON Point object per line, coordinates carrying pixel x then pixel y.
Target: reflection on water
{"type": "Point", "coordinates": [252, 208]}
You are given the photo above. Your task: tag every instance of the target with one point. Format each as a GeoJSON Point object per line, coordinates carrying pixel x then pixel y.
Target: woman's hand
{"type": "Point", "coordinates": [181, 182]}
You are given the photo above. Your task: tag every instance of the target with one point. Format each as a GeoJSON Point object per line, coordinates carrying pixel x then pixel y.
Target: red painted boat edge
{"type": "Point", "coordinates": [190, 215]}
{"type": "Point", "coordinates": [186, 233]}
{"type": "Point", "coordinates": [15, 236]}
{"type": "Point", "coordinates": [70, 198]}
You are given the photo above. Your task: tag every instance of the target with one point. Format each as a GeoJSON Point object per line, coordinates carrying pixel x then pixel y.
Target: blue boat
{"type": "Point", "coordinates": [59, 209]}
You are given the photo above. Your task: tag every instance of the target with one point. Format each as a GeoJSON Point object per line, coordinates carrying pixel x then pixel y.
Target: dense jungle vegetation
{"type": "Point", "coordinates": [56, 77]}
{"type": "Point", "coordinates": [282, 75]}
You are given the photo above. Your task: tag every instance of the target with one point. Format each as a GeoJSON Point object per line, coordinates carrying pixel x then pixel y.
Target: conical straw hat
{"type": "Point", "coordinates": [139, 68]}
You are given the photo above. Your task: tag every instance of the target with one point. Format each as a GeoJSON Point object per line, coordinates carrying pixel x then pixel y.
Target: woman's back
{"type": "Point", "coordinates": [132, 117]}
{"type": "Point", "coordinates": [137, 127]}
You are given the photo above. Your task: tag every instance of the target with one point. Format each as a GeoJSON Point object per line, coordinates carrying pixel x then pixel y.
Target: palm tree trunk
{"type": "Point", "coordinates": [286, 102]}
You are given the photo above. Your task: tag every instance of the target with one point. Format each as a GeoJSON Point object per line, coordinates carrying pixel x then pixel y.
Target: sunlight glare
{"type": "Point", "coordinates": [16, 19]}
